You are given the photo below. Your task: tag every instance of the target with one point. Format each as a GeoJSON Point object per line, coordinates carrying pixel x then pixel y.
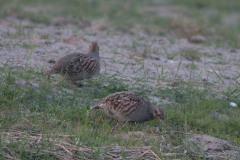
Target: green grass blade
{"type": "Point", "coordinates": [179, 66]}
{"type": "Point", "coordinates": [163, 77]}
{"type": "Point", "coordinates": [217, 75]}
{"type": "Point", "coordinates": [237, 76]}
{"type": "Point", "coordinates": [30, 54]}
{"type": "Point", "coordinates": [200, 73]}
{"type": "Point", "coordinates": [6, 63]}
{"type": "Point", "coordinates": [125, 67]}
{"type": "Point", "coordinates": [209, 72]}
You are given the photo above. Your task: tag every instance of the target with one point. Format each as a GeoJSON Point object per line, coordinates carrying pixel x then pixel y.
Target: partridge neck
{"type": "Point", "coordinates": [94, 54]}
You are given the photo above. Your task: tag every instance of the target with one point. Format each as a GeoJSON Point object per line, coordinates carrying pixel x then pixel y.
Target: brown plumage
{"type": "Point", "coordinates": [128, 106]}
{"type": "Point", "coordinates": [78, 66]}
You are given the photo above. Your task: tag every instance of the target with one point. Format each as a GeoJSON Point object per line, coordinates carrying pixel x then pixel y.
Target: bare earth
{"type": "Point", "coordinates": [118, 55]}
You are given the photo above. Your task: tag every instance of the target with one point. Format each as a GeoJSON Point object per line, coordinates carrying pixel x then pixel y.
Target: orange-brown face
{"type": "Point", "coordinates": [93, 47]}
{"type": "Point", "coordinates": [158, 113]}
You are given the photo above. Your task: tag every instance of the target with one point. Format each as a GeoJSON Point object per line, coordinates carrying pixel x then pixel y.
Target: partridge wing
{"type": "Point", "coordinates": [61, 64]}
{"type": "Point", "coordinates": [82, 63]}
{"type": "Point", "coordinates": [125, 103]}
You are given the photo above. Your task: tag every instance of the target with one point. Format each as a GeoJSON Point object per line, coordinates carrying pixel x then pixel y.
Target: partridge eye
{"type": "Point", "coordinates": [158, 114]}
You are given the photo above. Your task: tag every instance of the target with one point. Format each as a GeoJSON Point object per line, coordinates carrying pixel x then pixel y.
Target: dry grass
{"type": "Point", "coordinates": [62, 148]}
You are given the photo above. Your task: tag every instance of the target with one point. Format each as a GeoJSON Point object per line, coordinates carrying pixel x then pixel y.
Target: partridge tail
{"type": "Point", "coordinates": [48, 72]}
{"type": "Point", "coordinates": [51, 70]}
{"type": "Point", "coordinates": [96, 107]}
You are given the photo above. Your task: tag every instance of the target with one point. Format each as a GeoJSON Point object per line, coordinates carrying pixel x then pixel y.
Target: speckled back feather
{"type": "Point", "coordinates": [82, 63]}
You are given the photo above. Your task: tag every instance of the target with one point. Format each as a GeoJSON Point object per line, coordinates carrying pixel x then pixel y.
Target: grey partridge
{"type": "Point", "coordinates": [78, 66]}
{"type": "Point", "coordinates": [128, 106]}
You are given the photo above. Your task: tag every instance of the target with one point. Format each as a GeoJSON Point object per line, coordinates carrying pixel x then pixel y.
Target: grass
{"type": "Point", "coordinates": [191, 66]}
{"type": "Point", "coordinates": [62, 109]}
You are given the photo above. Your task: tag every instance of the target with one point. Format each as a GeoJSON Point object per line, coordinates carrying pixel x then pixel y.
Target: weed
{"type": "Point", "coordinates": [191, 66]}
{"type": "Point", "coordinates": [44, 36]}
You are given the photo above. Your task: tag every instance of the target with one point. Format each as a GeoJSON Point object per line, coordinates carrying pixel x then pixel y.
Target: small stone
{"type": "Point", "coordinates": [176, 81]}
{"type": "Point", "coordinates": [61, 21]}
{"type": "Point", "coordinates": [233, 104]}
{"type": "Point", "coordinates": [51, 61]}
{"type": "Point", "coordinates": [85, 23]}
{"type": "Point", "coordinates": [197, 39]}
{"type": "Point", "coordinates": [153, 56]}
{"type": "Point", "coordinates": [40, 52]}
{"type": "Point", "coordinates": [233, 50]}
{"type": "Point", "coordinates": [23, 83]}
{"type": "Point", "coordinates": [213, 148]}
{"type": "Point", "coordinates": [163, 41]}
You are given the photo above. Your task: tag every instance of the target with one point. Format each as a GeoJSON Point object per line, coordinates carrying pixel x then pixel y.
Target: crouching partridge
{"type": "Point", "coordinates": [128, 106]}
{"type": "Point", "coordinates": [78, 66]}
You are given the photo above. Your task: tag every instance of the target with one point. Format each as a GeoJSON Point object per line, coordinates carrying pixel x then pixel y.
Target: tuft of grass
{"type": "Point", "coordinates": [145, 52]}
{"type": "Point", "coordinates": [192, 55]}
{"type": "Point", "coordinates": [26, 45]}
{"type": "Point", "coordinates": [191, 66]}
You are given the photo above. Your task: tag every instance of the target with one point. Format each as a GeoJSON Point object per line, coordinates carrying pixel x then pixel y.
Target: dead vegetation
{"type": "Point", "coordinates": [62, 147]}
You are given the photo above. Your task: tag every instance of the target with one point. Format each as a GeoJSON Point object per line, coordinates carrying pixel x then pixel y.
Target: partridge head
{"type": "Point", "coordinates": [128, 106]}
{"type": "Point", "coordinates": [78, 66]}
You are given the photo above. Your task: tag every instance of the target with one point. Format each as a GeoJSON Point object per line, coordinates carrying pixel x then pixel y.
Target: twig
{"type": "Point", "coordinates": [64, 149]}
{"type": "Point", "coordinates": [171, 154]}
{"type": "Point", "coordinates": [7, 156]}
{"type": "Point", "coordinates": [53, 153]}
{"type": "Point", "coordinates": [155, 155]}
{"type": "Point", "coordinates": [14, 155]}
{"type": "Point", "coordinates": [99, 119]}
{"type": "Point", "coordinates": [178, 132]}
{"type": "Point", "coordinates": [162, 137]}
{"type": "Point", "coordinates": [144, 153]}
{"type": "Point", "coordinates": [124, 124]}
{"type": "Point", "coordinates": [113, 155]}
{"type": "Point", "coordinates": [39, 139]}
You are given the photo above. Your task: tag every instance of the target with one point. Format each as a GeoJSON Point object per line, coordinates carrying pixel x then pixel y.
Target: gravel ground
{"type": "Point", "coordinates": [130, 56]}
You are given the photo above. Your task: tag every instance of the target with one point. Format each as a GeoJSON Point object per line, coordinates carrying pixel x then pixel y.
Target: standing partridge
{"type": "Point", "coordinates": [128, 106]}
{"type": "Point", "coordinates": [78, 66]}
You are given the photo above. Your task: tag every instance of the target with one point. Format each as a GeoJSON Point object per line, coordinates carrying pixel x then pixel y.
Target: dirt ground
{"type": "Point", "coordinates": [130, 56]}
